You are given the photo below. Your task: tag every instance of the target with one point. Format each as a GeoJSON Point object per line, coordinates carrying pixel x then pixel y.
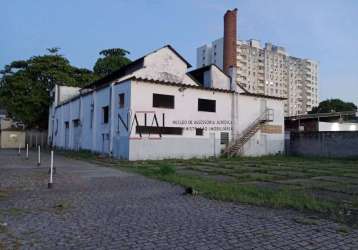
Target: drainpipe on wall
{"type": "Point", "coordinates": [62, 128]}
{"type": "Point", "coordinates": [70, 128]}
{"type": "Point", "coordinates": [111, 125]}
{"type": "Point", "coordinates": [80, 115]}
{"type": "Point", "coordinates": [234, 103]}
{"type": "Point", "coordinates": [94, 119]}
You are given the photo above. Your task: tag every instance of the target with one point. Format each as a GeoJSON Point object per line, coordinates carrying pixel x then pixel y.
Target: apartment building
{"type": "Point", "coordinates": [269, 70]}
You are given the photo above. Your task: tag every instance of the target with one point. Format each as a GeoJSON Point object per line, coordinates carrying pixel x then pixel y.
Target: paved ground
{"type": "Point", "coordinates": [94, 207]}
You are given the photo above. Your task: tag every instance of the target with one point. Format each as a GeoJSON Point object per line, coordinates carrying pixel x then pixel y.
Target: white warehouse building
{"type": "Point", "coordinates": [154, 108]}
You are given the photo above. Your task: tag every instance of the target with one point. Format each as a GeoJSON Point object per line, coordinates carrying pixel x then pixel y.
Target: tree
{"type": "Point", "coordinates": [25, 85]}
{"type": "Point", "coordinates": [333, 105]}
{"type": "Point", "coordinates": [112, 60]}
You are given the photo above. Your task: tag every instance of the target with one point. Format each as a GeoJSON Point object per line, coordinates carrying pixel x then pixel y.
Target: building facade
{"type": "Point", "coordinates": [271, 71]}
{"type": "Point", "coordinates": [154, 108]}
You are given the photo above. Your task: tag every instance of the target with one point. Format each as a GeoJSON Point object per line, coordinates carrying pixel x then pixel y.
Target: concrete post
{"type": "Point", "coordinates": [39, 156]}
{"type": "Point", "coordinates": [50, 183]}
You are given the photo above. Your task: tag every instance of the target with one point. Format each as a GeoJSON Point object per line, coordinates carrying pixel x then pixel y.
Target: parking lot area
{"type": "Point", "coordinates": [92, 206]}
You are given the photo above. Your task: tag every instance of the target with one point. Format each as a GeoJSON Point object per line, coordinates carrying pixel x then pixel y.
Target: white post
{"type": "Point", "coordinates": [51, 171]}
{"type": "Point", "coordinates": [19, 149]}
{"type": "Point", "coordinates": [39, 156]}
{"type": "Point", "coordinates": [27, 151]}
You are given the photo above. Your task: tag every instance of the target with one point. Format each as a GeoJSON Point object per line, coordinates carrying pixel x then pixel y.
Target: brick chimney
{"type": "Point", "coordinates": [230, 36]}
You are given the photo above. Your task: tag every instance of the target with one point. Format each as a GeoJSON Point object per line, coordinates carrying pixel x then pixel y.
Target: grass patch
{"type": "Point", "coordinates": [166, 170]}
{"type": "Point", "coordinates": [3, 229]}
{"type": "Point", "coordinates": [306, 221]}
{"type": "Point", "coordinates": [62, 206]}
{"type": "Point", "coordinates": [355, 202]}
{"type": "Point", "coordinates": [12, 211]}
{"type": "Point", "coordinates": [233, 191]}
{"type": "Point", "coordinates": [292, 182]}
{"type": "Point", "coordinates": [3, 194]}
{"type": "Point", "coordinates": [343, 230]}
{"type": "Point", "coordinates": [79, 155]}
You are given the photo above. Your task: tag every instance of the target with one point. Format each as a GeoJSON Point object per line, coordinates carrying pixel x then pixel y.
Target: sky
{"type": "Point", "coordinates": [322, 30]}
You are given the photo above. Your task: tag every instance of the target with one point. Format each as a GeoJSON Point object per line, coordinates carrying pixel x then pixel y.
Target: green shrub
{"type": "Point", "coordinates": [166, 170]}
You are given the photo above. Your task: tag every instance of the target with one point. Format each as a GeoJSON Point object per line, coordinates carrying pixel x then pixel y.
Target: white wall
{"type": "Point", "coordinates": [86, 122]}
{"type": "Point", "coordinates": [185, 111]}
{"type": "Point", "coordinates": [60, 94]}
{"type": "Point", "coordinates": [336, 126]}
{"type": "Point", "coordinates": [120, 133]}
{"type": "Point", "coordinates": [219, 79]}
{"type": "Point", "coordinates": [101, 128]}
{"type": "Point", "coordinates": [165, 65]}
{"type": "Point", "coordinates": [250, 108]}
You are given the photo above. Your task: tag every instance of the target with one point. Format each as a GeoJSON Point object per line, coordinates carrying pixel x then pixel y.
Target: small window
{"type": "Point", "coordinates": [206, 105]}
{"type": "Point", "coordinates": [67, 125]}
{"type": "Point", "coordinates": [163, 101]}
{"type": "Point", "coordinates": [199, 131]}
{"type": "Point", "coordinates": [121, 100]}
{"type": "Point", "coordinates": [76, 123]}
{"type": "Point", "coordinates": [224, 138]}
{"type": "Point", "coordinates": [105, 112]}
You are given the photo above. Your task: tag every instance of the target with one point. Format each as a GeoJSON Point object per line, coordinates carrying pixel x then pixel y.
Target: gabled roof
{"type": "Point", "coordinates": [198, 74]}
{"type": "Point", "coordinates": [176, 52]}
{"type": "Point", "coordinates": [130, 68]}
{"type": "Point", "coordinates": [125, 70]}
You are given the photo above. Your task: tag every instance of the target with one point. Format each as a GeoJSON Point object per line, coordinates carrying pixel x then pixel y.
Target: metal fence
{"type": "Point", "coordinates": [35, 138]}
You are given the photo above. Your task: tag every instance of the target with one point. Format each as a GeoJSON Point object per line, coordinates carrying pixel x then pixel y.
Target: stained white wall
{"type": "Point", "coordinates": [120, 133]}
{"type": "Point", "coordinates": [219, 79]}
{"type": "Point", "coordinates": [60, 94]}
{"type": "Point", "coordinates": [250, 108]}
{"type": "Point", "coordinates": [185, 110]}
{"type": "Point", "coordinates": [165, 65]}
{"type": "Point", "coordinates": [86, 120]}
{"type": "Point", "coordinates": [101, 129]}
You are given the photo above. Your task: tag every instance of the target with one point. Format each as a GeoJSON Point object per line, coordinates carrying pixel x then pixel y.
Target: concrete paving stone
{"type": "Point", "coordinates": [95, 207]}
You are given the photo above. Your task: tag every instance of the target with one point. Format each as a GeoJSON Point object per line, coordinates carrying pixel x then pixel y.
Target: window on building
{"type": "Point", "coordinates": [163, 101]}
{"type": "Point", "coordinates": [224, 138]}
{"type": "Point", "coordinates": [206, 105]}
{"type": "Point", "coordinates": [105, 114]}
{"type": "Point", "coordinates": [76, 123]}
{"type": "Point", "coordinates": [67, 125]}
{"type": "Point", "coordinates": [121, 100]}
{"type": "Point", "coordinates": [199, 131]}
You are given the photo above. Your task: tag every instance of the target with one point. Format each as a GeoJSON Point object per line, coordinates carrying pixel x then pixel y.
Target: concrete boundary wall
{"type": "Point", "coordinates": [329, 144]}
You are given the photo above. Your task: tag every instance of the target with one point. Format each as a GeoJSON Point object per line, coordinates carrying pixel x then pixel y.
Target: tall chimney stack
{"type": "Point", "coordinates": [230, 36]}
